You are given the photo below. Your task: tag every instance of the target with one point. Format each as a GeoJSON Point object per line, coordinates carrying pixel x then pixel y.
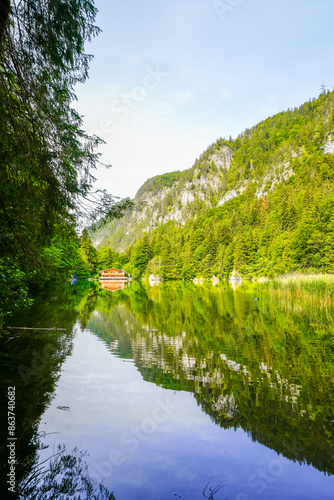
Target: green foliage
{"type": "Point", "coordinates": [88, 252]}
{"type": "Point", "coordinates": [105, 258]}
{"type": "Point", "coordinates": [308, 288]}
{"type": "Point", "coordinates": [13, 288]}
{"type": "Point", "coordinates": [142, 254]}
{"type": "Point", "coordinates": [46, 158]}
{"type": "Point", "coordinates": [159, 182]}
{"type": "Point", "coordinates": [281, 221]}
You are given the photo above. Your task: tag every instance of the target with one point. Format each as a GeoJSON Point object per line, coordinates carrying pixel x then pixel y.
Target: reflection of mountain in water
{"type": "Point", "coordinates": [262, 366]}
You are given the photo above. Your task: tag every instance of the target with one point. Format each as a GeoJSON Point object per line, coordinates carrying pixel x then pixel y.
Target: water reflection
{"type": "Point", "coordinates": [65, 475]}
{"type": "Point", "coordinates": [30, 361]}
{"type": "Point", "coordinates": [112, 286]}
{"type": "Point", "coordinates": [263, 365]}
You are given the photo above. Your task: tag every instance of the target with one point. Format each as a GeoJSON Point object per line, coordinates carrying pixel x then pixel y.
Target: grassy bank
{"type": "Point", "coordinates": [316, 287]}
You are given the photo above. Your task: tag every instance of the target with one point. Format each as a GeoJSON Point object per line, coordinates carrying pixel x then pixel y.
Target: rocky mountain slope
{"type": "Point", "coordinates": [256, 187]}
{"type": "Point", "coordinates": [216, 177]}
{"type": "Point", "coordinates": [173, 196]}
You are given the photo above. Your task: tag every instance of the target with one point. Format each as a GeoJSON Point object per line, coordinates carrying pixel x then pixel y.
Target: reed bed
{"type": "Point", "coordinates": [314, 287]}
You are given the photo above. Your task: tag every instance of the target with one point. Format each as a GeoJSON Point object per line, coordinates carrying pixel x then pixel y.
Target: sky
{"type": "Point", "coordinates": [170, 77]}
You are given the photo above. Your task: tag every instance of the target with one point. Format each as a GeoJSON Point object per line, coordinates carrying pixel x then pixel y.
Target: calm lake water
{"type": "Point", "coordinates": [175, 388]}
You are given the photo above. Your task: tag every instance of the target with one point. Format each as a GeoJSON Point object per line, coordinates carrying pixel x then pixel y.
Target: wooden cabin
{"type": "Point", "coordinates": [113, 274]}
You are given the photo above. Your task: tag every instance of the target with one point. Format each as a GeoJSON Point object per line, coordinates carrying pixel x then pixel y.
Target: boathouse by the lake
{"type": "Point", "coordinates": [113, 274]}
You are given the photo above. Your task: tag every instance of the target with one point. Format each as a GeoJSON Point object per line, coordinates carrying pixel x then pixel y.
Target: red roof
{"type": "Point", "coordinates": [113, 269]}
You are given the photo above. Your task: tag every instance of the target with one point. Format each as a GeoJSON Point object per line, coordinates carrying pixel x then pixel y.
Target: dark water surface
{"type": "Point", "coordinates": [173, 388]}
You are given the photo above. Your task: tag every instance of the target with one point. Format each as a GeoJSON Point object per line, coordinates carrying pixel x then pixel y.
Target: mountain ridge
{"type": "Point", "coordinates": [263, 159]}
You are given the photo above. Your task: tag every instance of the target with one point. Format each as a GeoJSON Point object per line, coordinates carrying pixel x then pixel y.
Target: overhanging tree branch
{"type": "Point", "coordinates": [4, 17]}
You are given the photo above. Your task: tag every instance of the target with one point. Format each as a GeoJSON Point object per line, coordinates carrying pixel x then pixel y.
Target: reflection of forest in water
{"type": "Point", "coordinates": [264, 365]}
{"type": "Point", "coordinates": [30, 361]}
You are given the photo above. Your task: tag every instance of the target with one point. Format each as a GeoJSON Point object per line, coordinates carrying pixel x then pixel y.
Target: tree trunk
{"type": "Point", "coordinates": [4, 15]}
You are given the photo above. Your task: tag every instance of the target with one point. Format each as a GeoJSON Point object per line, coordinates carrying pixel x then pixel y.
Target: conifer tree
{"type": "Point", "coordinates": [88, 251]}
{"type": "Point", "coordinates": [168, 262]}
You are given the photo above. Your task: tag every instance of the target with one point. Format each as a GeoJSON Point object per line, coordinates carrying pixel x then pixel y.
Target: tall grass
{"type": "Point", "coordinates": [315, 287]}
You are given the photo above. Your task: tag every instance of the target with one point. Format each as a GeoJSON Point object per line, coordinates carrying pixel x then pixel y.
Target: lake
{"type": "Point", "coordinates": [176, 390]}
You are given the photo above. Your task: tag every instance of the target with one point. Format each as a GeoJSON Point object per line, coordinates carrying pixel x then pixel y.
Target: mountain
{"type": "Point", "coordinates": [173, 196]}
{"type": "Point", "coordinates": [261, 204]}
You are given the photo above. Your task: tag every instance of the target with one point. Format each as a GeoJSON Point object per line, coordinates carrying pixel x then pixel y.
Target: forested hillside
{"type": "Point", "coordinates": [262, 204]}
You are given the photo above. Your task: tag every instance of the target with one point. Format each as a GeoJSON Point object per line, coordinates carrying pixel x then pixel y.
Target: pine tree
{"type": "Point", "coordinates": [142, 254]}
{"type": "Point", "coordinates": [240, 253]}
{"type": "Point", "coordinates": [87, 251]}
{"type": "Point", "coordinates": [168, 263]}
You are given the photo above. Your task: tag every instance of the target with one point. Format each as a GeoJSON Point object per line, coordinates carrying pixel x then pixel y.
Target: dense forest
{"type": "Point", "coordinates": [267, 212]}
{"type": "Point", "coordinates": [46, 158]}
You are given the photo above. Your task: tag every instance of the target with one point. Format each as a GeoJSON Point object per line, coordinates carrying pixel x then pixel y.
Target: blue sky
{"type": "Point", "coordinates": [170, 77]}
